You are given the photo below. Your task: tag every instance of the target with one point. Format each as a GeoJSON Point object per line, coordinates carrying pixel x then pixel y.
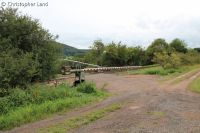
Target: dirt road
{"type": "Point", "coordinates": [149, 106]}
{"type": "Point", "coordinates": [152, 106]}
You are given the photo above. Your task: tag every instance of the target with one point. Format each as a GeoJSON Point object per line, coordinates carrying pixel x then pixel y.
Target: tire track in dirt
{"type": "Point", "coordinates": [163, 109]}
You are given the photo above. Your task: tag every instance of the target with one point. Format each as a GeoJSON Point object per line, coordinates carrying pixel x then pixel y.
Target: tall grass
{"type": "Point", "coordinates": [195, 85]}
{"type": "Point", "coordinates": [44, 102]}
{"type": "Point", "coordinates": [163, 72]}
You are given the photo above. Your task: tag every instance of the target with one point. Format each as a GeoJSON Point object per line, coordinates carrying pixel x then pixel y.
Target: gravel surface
{"type": "Point", "coordinates": [151, 107]}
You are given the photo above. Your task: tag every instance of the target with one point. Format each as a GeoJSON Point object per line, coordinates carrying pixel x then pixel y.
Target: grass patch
{"type": "Point", "coordinates": [42, 103]}
{"type": "Point", "coordinates": [183, 77]}
{"type": "Point", "coordinates": [157, 113]}
{"type": "Point", "coordinates": [195, 85]}
{"type": "Point", "coordinates": [164, 72]}
{"type": "Point", "coordinates": [81, 120]}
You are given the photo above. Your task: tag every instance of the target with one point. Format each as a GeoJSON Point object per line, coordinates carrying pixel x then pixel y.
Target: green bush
{"type": "Point", "coordinates": [191, 57]}
{"type": "Point", "coordinates": [27, 51]}
{"type": "Point", "coordinates": [5, 105]}
{"type": "Point", "coordinates": [39, 94]}
{"type": "Point", "coordinates": [4, 92]}
{"type": "Point", "coordinates": [36, 94]}
{"type": "Point", "coordinates": [19, 97]}
{"type": "Point", "coordinates": [167, 60]}
{"type": "Point", "coordinates": [40, 101]}
{"type": "Point", "coordinates": [86, 88]}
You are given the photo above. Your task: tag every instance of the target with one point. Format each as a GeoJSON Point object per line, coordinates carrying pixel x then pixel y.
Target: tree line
{"type": "Point", "coordinates": [168, 55]}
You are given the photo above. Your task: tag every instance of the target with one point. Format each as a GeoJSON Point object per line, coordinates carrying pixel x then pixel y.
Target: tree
{"type": "Point", "coordinates": [98, 47]}
{"type": "Point", "coordinates": [191, 57]}
{"type": "Point", "coordinates": [95, 54]}
{"type": "Point", "coordinates": [136, 56]}
{"type": "Point", "coordinates": [27, 51]}
{"type": "Point", "coordinates": [179, 45]}
{"type": "Point", "coordinates": [115, 54]}
{"type": "Point", "coordinates": [167, 60]}
{"type": "Point", "coordinates": [157, 46]}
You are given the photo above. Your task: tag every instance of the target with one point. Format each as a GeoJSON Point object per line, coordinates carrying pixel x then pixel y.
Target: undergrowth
{"type": "Point", "coordinates": [38, 102]}
{"type": "Point", "coordinates": [195, 85]}
{"type": "Point", "coordinates": [164, 72]}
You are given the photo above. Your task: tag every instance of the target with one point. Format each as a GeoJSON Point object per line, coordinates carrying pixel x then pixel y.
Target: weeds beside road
{"type": "Point", "coordinates": [195, 85]}
{"type": "Point", "coordinates": [172, 72]}
{"type": "Point", "coordinates": [21, 107]}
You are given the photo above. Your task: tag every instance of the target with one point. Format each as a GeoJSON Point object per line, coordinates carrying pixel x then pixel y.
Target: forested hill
{"type": "Point", "coordinates": [69, 50]}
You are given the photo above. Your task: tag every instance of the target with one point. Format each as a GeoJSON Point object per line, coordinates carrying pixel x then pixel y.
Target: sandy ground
{"type": "Point", "coordinates": [149, 106]}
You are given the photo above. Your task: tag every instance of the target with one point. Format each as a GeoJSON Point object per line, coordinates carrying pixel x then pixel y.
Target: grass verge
{"type": "Point", "coordinates": [164, 72]}
{"type": "Point", "coordinates": [157, 113]}
{"type": "Point", "coordinates": [195, 85]}
{"type": "Point", "coordinates": [52, 102]}
{"type": "Point", "coordinates": [81, 120]}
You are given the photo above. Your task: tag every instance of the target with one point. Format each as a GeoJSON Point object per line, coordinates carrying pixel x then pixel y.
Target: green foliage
{"type": "Point", "coordinates": [15, 66]}
{"type": "Point", "coordinates": [172, 55]}
{"type": "Point", "coordinates": [37, 102]}
{"type": "Point", "coordinates": [95, 54]}
{"type": "Point", "coordinates": [163, 72]}
{"type": "Point", "coordinates": [195, 85]}
{"type": "Point", "coordinates": [36, 94]}
{"type": "Point", "coordinates": [167, 60]}
{"type": "Point", "coordinates": [136, 56]}
{"type": "Point", "coordinates": [115, 55]}
{"type": "Point", "coordinates": [157, 46]}
{"type": "Point", "coordinates": [5, 105]}
{"type": "Point", "coordinates": [179, 45]}
{"type": "Point", "coordinates": [86, 88]}
{"type": "Point", "coordinates": [27, 51]}
{"type": "Point", "coordinates": [155, 71]}
{"type": "Point", "coordinates": [18, 98]}
{"type": "Point", "coordinates": [160, 52]}
{"type": "Point", "coordinates": [191, 57]}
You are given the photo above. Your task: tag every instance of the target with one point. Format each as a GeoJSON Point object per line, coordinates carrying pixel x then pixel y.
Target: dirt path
{"type": "Point", "coordinates": [149, 106]}
{"type": "Point", "coordinates": [152, 107]}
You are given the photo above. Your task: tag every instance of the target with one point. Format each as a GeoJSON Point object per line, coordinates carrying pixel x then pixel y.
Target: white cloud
{"type": "Point", "coordinates": [79, 22]}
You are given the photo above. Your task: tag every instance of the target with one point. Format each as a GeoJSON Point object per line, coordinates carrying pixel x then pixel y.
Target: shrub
{"type": "Point", "coordinates": [86, 88]}
{"type": "Point", "coordinates": [167, 60]}
{"type": "Point", "coordinates": [27, 50]}
{"type": "Point", "coordinates": [4, 105]}
{"type": "Point", "coordinates": [4, 92]}
{"type": "Point", "coordinates": [22, 106]}
{"type": "Point", "coordinates": [19, 97]}
{"type": "Point", "coordinates": [39, 94]}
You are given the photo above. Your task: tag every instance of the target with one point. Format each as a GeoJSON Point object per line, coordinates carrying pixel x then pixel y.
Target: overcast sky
{"type": "Point", "coordinates": [134, 22]}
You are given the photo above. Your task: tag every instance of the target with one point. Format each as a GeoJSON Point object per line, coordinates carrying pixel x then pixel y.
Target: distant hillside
{"type": "Point", "coordinates": [69, 50]}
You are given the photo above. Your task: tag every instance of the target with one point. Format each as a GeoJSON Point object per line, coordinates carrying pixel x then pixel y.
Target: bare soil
{"type": "Point", "coordinates": [149, 106]}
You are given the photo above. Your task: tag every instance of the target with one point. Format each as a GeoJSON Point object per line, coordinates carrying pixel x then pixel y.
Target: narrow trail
{"type": "Point", "coordinates": [149, 106]}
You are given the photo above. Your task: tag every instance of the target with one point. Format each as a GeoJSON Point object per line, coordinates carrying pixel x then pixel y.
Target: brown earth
{"type": "Point", "coordinates": [149, 106]}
